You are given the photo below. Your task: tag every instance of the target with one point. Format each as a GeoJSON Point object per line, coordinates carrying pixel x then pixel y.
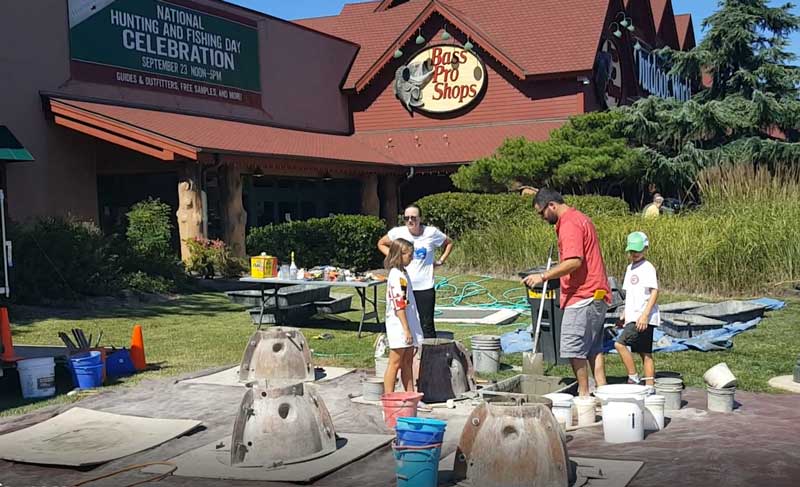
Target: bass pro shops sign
{"type": "Point", "coordinates": [165, 46]}
{"type": "Point", "coordinates": [440, 79]}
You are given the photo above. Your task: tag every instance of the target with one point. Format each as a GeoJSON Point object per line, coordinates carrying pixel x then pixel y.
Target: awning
{"type": "Point", "coordinates": [10, 148]}
{"type": "Point", "coordinates": [166, 136]}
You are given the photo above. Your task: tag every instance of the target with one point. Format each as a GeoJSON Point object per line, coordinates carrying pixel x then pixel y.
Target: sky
{"type": "Point", "coordinates": [299, 9]}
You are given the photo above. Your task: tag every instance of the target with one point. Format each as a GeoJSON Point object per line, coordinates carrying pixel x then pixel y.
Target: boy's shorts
{"type": "Point", "coordinates": [640, 342]}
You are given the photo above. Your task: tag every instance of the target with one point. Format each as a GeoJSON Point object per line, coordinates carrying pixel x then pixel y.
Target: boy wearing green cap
{"type": "Point", "coordinates": [640, 315]}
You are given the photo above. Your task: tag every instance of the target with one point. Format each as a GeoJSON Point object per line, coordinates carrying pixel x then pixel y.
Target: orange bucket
{"type": "Point", "coordinates": [399, 405]}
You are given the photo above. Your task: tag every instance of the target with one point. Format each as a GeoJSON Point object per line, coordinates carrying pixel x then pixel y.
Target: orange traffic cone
{"type": "Point", "coordinates": [137, 348]}
{"type": "Point", "coordinates": [7, 354]}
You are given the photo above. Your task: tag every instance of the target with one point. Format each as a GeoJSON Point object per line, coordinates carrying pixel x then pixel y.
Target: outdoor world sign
{"type": "Point", "coordinates": [165, 46]}
{"type": "Point", "coordinates": [440, 79]}
{"type": "Point", "coordinates": [654, 78]}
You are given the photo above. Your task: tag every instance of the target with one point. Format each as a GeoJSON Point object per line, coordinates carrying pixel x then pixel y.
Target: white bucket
{"type": "Point", "coordinates": [37, 376]}
{"type": "Point", "coordinates": [672, 389]}
{"type": "Point", "coordinates": [585, 408]}
{"type": "Point", "coordinates": [720, 400]}
{"type": "Point", "coordinates": [381, 363]}
{"type": "Point", "coordinates": [562, 407]}
{"type": "Point", "coordinates": [719, 376]}
{"type": "Point", "coordinates": [623, 412]}
{"type": "Point", "coordinates": [654, 412]}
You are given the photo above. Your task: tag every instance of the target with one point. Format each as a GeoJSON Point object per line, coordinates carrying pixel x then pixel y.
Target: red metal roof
{"type": "Point", "coordinates": [541, 36]}
{"type": "Point", "coordinates": [393, 147]}
{"type": "Point", "coordinates": [683, 23]}
{"type": "Point", "coordinates": [659, 7]}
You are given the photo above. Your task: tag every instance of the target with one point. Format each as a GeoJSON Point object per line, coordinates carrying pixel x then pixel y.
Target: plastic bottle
{"type": "Point", "coordinates": [293, 269]}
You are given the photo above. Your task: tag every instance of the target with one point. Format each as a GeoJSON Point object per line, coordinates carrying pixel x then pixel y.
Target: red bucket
{"type": "Point", "coordinates": [399, 405]}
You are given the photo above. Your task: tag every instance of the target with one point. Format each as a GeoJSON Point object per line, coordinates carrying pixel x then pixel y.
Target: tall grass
{"type": "Point", "coordinates": [743, 241]}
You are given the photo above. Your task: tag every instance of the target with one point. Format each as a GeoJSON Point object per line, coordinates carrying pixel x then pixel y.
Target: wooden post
{"type": "Point", "coordinates": [234, 217]}
{"type": "Point", "coordinates": [389, 202]}
{"type": "Point", "coordinates": [370, 204]}
{"type": "Point", "coordinates": [190, 206]}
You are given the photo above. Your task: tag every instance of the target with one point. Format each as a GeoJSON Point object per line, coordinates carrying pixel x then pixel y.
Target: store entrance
{"type": "Point", "coordinates": [270, 199]}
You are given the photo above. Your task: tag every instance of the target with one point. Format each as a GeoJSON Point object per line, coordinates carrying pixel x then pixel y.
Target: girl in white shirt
{"type": "Point", "coordinates": [425, 239]}
{"type": "Point", "coordinates": [402, 320]}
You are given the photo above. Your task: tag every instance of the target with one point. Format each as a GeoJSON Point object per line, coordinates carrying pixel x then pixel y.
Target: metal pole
{"type": "Point", "coordinates": [541, 303]}
{"type": "Point", "coordinates": [5, 244]}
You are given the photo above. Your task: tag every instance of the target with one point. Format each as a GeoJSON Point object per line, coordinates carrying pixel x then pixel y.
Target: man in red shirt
{"type": "Point", "coordinates": [585, 293]}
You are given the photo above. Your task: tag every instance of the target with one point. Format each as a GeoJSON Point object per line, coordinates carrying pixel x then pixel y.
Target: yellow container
{"type": "Point", "coordinates": [263, 266]}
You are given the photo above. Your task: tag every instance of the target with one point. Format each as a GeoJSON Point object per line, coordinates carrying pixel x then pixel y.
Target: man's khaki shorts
{"type": "Point", "coordinates": [582, 330]}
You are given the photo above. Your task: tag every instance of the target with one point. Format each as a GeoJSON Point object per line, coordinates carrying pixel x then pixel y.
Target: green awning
{"type": "Point", "coordinates": [10, 148]}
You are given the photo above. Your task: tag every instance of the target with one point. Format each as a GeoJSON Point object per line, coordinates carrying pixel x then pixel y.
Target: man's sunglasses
{"type": "Point", "coordinates": [409, 218]}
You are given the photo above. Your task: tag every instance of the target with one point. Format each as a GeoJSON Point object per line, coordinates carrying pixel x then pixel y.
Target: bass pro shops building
{"type": "Point", "coordinates": [239, 119]}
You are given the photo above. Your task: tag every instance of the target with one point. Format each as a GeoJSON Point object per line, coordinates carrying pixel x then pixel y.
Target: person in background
{"type": "Point", "coordinates": [426, 239]}
{"type": "Point", "coordinates": [402, 320]}
{"type": "Point", "coordinates": [640, 316]}
{"type": "Point", "coordinates": [653, 210]}
{"type": "Point", "coordinates": [585, 293]}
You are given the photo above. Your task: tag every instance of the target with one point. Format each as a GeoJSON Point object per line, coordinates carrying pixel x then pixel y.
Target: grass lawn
{"type": "Point", "coordinates": [205, 330]}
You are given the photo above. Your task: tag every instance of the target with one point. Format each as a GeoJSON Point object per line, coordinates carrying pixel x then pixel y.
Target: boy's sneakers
{"type": "Point", "coordinates": [634, 379]}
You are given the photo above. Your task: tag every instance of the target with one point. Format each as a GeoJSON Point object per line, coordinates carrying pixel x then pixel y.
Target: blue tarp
{"type": "Point", "coordinates": [517, 341]}
{"type": "Point", "coordinates": [720, 339]}
{"type": "Point", "coordinates": [770, 304]}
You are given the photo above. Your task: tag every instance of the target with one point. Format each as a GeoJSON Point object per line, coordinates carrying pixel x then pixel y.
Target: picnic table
{"type": "Point", "coordinates": [361, 287]}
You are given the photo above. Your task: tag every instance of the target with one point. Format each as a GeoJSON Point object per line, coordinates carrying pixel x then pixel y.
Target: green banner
{"type": "Point", "coordinates": [167, 39]}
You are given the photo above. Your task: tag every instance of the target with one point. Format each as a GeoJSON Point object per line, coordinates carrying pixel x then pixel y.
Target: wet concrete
{"type": "Point", "coordinates": [757, 444]}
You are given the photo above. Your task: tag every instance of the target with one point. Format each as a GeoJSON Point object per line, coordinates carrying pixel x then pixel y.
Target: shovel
{"type": "Point", "coordinates": [533, 363]}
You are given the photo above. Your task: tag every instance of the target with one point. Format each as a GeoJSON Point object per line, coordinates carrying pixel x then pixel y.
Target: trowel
{"type": "Point", "coordinates": [533, 361]}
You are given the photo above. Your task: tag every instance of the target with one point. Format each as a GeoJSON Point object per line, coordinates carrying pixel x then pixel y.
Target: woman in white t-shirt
{"type": "Point", "coordinates": [425, 239]}
{"type": "Point", "coordinates": [402, 320]}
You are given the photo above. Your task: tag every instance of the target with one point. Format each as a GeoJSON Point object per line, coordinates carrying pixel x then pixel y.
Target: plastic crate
{"type": "Point", "coordinates": [336, 303]}
{"type": "Point", "coordinates": [249, 297]}
{"type": "Point", "coordinates": [300, 294]}
{"type": "Point", "coordinates": [731, 311]}
{"type": "Point", "coordinates": [688, 326]}
{"type": "Point", "coordinates": [278, 316]}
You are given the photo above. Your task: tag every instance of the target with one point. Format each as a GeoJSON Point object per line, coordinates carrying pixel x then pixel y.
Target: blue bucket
{"type": "Point", "coordinates": [87, 370]}
{"type": "Point", "coordinates": [89, 377]}
{"type": "Point", "coordinates": [417, 466]}
{"type": "Point", "coordinates": [419, 431]}
{"type": "Point", "coordinates": [84, 359]}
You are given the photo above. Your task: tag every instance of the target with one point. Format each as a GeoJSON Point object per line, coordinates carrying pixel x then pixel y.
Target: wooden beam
{"type": "Point", "coordinates": [190, 207]}
{"type": "Point", "coordinates": [121, 129]}
{"type": "Point", "coordinates": [234, 216]}
{"type": "Point", "coordinates": [164, 155]}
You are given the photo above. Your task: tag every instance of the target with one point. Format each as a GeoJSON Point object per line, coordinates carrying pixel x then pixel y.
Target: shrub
{"type": "Point", "coordinates": [456, 213]}
{"type": "Point", "coordinates": [150, 229]}
{"type": "Point", "coordinates": [62, 258]}
{"type": "Point", "coordinates": [143, 282]}
{"type": "Point", "coordinates": [149, 241]}
{"type": "Point", "coordinates": [343, 240]}
{"type": "Point", "coordinates": [744, 241]}
{"type": "Point", "coordinates": [212, 257]}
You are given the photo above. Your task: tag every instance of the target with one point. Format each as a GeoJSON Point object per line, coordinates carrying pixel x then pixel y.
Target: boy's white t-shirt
{"type": "Point", "coordinates": [421, 267]}
{"type": "Point", "coordinates": [640, 279]}
{"type": "Point", "coordinates": [399, 296]}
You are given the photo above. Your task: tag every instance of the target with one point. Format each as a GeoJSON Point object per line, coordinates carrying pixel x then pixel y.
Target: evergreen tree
{"type": "Point", "coordinates": [750, 112]}
{"type": "Point", "coordinates": [588, 154]}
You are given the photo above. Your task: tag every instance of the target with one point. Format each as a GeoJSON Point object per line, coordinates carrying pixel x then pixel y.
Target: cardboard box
{"type": "Point", "coordinates": [263, 266]}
